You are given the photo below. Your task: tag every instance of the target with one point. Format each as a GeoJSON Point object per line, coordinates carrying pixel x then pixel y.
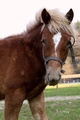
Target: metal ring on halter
{"type": "Point", "coordinates": [55, 59]}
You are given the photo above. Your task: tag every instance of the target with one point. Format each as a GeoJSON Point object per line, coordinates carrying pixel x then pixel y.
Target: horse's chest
{"type": "Point", "coordinates": [35, 90]}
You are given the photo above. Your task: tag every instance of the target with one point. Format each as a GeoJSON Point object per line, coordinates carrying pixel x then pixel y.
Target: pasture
{"type": "Point", "coordinates": [56, 110]}
{"type": "Point", "coordinates": [63, 90]}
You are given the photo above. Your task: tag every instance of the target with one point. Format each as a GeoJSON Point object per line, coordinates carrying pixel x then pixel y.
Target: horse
{"type": "Point", "coordinates": [32, 60]}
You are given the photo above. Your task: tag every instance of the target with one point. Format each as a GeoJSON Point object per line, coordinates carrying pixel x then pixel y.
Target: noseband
{"type": "Point", "coordinates": [46, 60]}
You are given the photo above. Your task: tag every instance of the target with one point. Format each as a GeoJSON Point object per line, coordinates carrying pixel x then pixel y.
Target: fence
{"type": "Point", "coordinates": [68, 76]}
{"type": "Point", "coordinates": [71, 76]}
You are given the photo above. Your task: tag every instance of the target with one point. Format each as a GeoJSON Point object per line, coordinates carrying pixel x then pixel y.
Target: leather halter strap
{"type": "Point", "coordinates": [55, 59]}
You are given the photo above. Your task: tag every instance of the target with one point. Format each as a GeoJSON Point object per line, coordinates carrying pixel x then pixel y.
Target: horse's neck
{"type": "Point", "coordinates": [35, 36]}
{"type": "Point", "coordinates": [35, 33]}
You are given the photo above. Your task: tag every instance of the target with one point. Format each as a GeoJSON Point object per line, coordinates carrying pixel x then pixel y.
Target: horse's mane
{"type": "Point", "coordinates": [57, 23]}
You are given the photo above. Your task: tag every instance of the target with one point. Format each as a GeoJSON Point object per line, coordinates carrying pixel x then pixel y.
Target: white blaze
{"type": "Point", "coordinates": [56, 39]}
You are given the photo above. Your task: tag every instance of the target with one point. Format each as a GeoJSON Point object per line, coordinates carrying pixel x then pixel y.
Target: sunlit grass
{"type": "Point", "coordinates": [65, 85]}
{"type": "Point", "coordinates": [63, 90]}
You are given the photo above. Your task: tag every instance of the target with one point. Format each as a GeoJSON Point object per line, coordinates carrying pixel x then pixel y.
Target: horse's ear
{"type": "Point", "coordinates": [69, 15]}
{"type": "Point", "coordinates": [45, 16]}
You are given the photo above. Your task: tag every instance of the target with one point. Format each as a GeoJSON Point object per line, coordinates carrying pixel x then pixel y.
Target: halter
{"type": "Point", "coordinates": [46, 60]}
{"type": "Point", "coordinates": [72, 52]}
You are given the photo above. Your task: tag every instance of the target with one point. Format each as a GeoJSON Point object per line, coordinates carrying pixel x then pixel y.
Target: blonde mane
{"type": "Point", "coordinates": [58, 22]}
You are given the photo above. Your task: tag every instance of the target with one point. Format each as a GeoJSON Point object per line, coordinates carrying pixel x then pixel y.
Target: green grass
{"type": "Point", "coordinates": [25, 113]}
{"type": "Point", "coordinates": [1, 115]}
{"type": "Point", "coordinates": [66, 91]}
{"type": "Point", "coordinates": [56, 110]}
{"type": "Point", "coordinates": [63, 110]}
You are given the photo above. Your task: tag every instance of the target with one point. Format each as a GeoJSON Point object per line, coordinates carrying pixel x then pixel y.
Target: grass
{"type": "Point", "coordinates": [63, 110]}
{"type": "Point", "coordinates": [58, 110]}
{"type": "Point", "coordinates": [63, 90]}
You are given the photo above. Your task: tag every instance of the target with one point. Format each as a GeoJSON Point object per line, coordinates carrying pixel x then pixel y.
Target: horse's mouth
{"type": "Point", "coordinates": [52, 82]}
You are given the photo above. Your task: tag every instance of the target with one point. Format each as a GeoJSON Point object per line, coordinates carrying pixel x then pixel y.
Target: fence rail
{"type": "Point", "coordinates": [68, 76]}
{"type": "Point", "coordinates": [71, 76]}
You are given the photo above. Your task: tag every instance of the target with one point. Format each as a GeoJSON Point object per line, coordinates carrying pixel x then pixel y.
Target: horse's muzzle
{"type": "Point", "coordinates": [52, 82]}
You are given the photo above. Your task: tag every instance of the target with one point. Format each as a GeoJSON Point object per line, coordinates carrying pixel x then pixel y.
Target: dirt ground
{"type": "Point", "coordinates": [47, 99]}
{"type": "Point", "coordinates": [61, 98]}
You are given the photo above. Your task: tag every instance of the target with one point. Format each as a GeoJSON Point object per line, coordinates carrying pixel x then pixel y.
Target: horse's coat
{"type": "Point", "coordinates": [24, 71]}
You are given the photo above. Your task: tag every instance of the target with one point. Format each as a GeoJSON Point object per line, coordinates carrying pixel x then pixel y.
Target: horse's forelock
{"type": "Point", "coordinates": [58, 22]}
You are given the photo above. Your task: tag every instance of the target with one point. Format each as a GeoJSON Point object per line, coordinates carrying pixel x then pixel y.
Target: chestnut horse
{"type": "Point", "coordinates": [32, 60]}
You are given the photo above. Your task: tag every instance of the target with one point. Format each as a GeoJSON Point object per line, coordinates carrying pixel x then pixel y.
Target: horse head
{"type": "Point", "coordinates": [57, 38]}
